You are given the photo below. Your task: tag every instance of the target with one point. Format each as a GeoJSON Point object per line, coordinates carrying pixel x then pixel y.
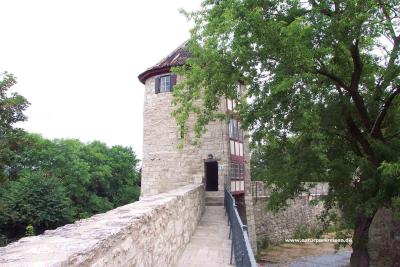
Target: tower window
{"type": "Point", "coordinates": [236, 170]}
{"type": "Point", "coordinates": [165, 83]}
{"type": "Point", "coordinates": [235, 132]}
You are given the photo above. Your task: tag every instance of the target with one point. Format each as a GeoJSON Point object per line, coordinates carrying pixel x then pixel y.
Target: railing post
{"type": "Point", "coordinates": [231, 252]}
{"type": "Point", "coordinates": [244, 229]}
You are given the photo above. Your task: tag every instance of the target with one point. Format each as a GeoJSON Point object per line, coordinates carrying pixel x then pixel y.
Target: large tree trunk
{"type": "Point", "coordinates": [360, 257]}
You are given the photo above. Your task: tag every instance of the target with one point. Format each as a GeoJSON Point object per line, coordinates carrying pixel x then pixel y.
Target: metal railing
{"type": "Point", "coordinates": [240, 247]}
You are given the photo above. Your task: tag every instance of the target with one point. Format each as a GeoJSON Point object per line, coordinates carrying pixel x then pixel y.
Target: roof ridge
{"type": "Point", "coordinates": [181, 46]}
{"type": "Point", "coordinates": [177, 57]}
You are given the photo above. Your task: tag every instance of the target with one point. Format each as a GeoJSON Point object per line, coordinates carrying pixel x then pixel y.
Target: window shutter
{"type": "Point", "coordinates": [173, 81]}
{"type": "Point", "coordinates": [157, 85]}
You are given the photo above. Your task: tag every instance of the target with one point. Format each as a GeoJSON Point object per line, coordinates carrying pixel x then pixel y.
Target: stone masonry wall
{"type": "Point", "coordinates": [277, 227]}
{"type": "Point", "coordinates": [164, 165]}
{"type": "Point", "coordinates": [151, 232]}
{"type": "Point", "coordinates": [384, 238]}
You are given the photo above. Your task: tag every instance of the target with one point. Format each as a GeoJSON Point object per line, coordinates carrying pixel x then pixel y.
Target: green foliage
{"type": "Point", "coordinates": [12, 106]}
{"type": "Point", "coordinates": [304, 232]}
{"type": "Point", "coordinates": [3, 240]}
{"type": "Point", "coordinates": [34, 200]}
{"type": "Point", "coordinates": [322, 98]}
{"type": "Point", "coordinates": [48, 183]}
{"type": "Point", "coordinates": [262, 244]}
{"type": "Point", "coordinates": [51, 183]}
{"type": "Point", "coordinates": [96, 178]}
{"type": "Point", "coordinates": [29, 231]}
{"type": "Point", "coordinates": [343, 234]}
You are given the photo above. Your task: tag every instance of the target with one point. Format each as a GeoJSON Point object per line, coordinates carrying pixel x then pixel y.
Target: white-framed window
{"type": "Point", "coordinates": [235, 132]}
{"type": "Point", "coordinates": [236, 170]}
{"type": "Point", "coordinates": [237, 148]}
{"type": "Point", "coordinates": [232, 147]}
{"type": "Point", "coordinates": [165, 83]}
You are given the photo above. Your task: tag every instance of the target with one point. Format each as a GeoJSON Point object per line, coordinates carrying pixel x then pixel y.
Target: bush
{"type": "Point", "coordinates": [264, 243]}
{"type": "Point", "coordinates": [30, 231]}
{"type": "Point", "coordinates": [35, 200]}
{"type": "Point", "coordinates": [304, 232]}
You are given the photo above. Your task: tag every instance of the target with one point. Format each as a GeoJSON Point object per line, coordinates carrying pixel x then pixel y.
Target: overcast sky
{"type": "Point", "coordinates": [77, 62]}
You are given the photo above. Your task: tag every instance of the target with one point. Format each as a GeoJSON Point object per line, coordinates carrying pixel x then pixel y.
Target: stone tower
{"type": "Point", "coordinates": [222, 156]}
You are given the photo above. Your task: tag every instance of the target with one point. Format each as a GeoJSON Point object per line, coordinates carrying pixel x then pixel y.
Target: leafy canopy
{"type": "Point", "coordinates": [322, 99]}
{"type": "Point", "coordinates": [12, 106]}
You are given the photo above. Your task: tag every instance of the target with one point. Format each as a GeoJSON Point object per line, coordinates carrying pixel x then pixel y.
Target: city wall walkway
{"type": "Point", "coordinates": [209, 246]}
{"type": "Point", "coordinates": [182, 227]}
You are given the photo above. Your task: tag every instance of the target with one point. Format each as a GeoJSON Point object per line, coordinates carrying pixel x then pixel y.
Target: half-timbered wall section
{"type": "Point", "coordinates": [236, 146]}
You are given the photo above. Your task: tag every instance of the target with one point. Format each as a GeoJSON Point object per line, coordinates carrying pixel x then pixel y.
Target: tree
{"type": "Point", "coordinates": [12, 107]}
{"type": "Point", "coordinates": [322, 101]}
{"type": "Point", "coordinates": [36, 200]}
{"type": "Point", "coordinates": [54, 182]}
{"type": "Point", "coordinates": [97, 178]}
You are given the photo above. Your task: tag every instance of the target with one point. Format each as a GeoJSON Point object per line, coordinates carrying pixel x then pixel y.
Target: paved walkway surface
{"type": "Point", "coordinates": [332, 260]}
{"type": "Point", "coordinates": [209, 245]}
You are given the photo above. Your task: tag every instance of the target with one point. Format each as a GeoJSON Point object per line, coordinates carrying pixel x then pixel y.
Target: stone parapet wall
{"type": "Point", "coordinates": [259, 189]}
{"type": "Point", "coordinates": [277, 227]}
{"type": "Point", "coordinates": [283, 224]}
{"type": "Point", "coordinates": [150, 232]}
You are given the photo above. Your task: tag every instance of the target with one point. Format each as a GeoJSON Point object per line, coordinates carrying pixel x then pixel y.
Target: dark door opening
{"type": "Point", "coordinates": [211, 171]}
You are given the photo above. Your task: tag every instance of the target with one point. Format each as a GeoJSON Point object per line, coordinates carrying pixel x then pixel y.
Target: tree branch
{"type": "Point", "coordinates": [357, 135]}
{"type": "Point", "coordinates": [332, 77]}
{"type": "Point", "coordinates": [389, 72]}
{"type": "Point", "coordinates": [354, 130]}
{"type": "Point", "coordinates": [376, 128]}
{"type": "Point", "coordinates": [353, 89]}
{"type": "Point", "coordinates": [393, 135]}
{"type": "Point", "coordinates": [325, 11]}
{"type": "Point", "coordinates": [388, 18]}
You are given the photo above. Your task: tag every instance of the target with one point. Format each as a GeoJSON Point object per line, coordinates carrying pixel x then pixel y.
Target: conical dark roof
{"type": "Point", "coordinates": [177, 58]}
